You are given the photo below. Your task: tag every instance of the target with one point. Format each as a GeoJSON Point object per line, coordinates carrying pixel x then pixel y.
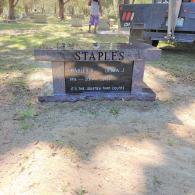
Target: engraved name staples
{"type": "Point", "coordinates": [98, 56]}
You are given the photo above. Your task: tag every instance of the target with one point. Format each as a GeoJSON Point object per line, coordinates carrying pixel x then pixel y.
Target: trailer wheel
{"type": "Point", "coordinates": [155, 43]}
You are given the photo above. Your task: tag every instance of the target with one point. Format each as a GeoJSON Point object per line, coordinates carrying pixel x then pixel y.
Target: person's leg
{"type": "Point", "coordinates": [96, 23]}
{"type": "Point", "coordinates": [89, 28]}
{"type": "Point", "coordinates": [91, 22]}
{"type": "Point", "coordinates": [95, 28]}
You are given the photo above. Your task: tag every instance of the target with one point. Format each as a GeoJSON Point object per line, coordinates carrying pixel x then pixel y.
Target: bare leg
{"type": "Point", "coordinates": [89, 28]}
{"type": "Point", "coordinates": [95, 28]}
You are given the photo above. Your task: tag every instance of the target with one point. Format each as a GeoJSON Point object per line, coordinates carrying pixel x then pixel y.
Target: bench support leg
{"type": "Point", "coordinates": [58, 78]}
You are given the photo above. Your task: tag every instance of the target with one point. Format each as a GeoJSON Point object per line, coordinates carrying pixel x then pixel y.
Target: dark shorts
{"type": "Point", "coordinates": [94, 20]}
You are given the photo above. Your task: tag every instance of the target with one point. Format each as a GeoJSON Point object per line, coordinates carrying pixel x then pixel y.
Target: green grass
{"type": "Point", "coordinates": [81, 191]}
{"type": "Point", "coordinates": [60, 143]}
{"type": "Point", "coordinates": [16, 50]}
{"type": "Point", "coordinates": [24, 118]}
{"type": "Point", "coordinates": [170, 142]}
{"type": "Point", "coordinates": [25, 126]}
{"type": "Point", "coordinates": [115, 111]}
{"type": "Point", "coordinates": [178, 60]}
{"type": "Point", "coordinates": [49, 34]}
{"type": "Point", "coordinates": [16, 26]}
{"type": "Point", "coordinates": [156, 182]}
{"type": "Point", "coordinates": [18, 83]}
{"type": "Point", "coordinates": [26, 114]}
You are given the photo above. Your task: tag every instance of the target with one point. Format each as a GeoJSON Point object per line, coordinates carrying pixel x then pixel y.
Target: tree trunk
{"type": "Point", "coordinates": [115, 5]}
{"type": "Point", "coordinates": [12, 4]}
{"type": "Point", "coordinates": [116, 10]}
{"type": "Point", "coordinates": [55, 9]}
{"type": "Point", "coordinates": [1, 7]}
{"type": "Point", "coordinates": [61, 9]}
{"type": "Point", "coordinates": [43, 8]}
{"type": "Point", "coordinates": [11, 10]}
{"type": "Point", "coordinates": [26, 10]}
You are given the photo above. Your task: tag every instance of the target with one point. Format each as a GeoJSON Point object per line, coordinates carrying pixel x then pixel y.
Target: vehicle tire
{"type": "Point", "coordinates": [155, 43]}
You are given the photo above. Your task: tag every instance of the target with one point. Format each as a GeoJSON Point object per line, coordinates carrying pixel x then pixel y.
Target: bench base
{"type": "Point", "coordinates": [145, 95]}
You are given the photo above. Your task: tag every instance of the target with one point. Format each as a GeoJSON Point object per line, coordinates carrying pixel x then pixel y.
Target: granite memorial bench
{"type": "Point", "coordinates": [98, 71]}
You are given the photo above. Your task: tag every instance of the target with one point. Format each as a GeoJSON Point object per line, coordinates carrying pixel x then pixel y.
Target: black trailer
{"type": "Point", "coordinates": [160, 20]}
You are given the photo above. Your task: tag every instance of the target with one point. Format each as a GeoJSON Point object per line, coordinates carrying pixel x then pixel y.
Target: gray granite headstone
{"type": "Point", "coordinates": [98, 71]}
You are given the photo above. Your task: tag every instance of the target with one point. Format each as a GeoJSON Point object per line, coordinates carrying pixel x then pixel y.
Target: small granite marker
{"type": "Point", "coordinates": [98, 71]}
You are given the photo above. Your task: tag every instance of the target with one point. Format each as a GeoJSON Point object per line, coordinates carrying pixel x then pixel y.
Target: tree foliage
{"type": "Point", "coordinates": [2, 5]}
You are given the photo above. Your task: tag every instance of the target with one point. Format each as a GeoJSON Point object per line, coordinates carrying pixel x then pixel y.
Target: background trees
{"type": "Point", "coordinates": [12, 4]}
{"type": "Point", "coordinates": [62, 3]}
{"type": "Point", "coordinates": [59, 7]}
{"type": "Point", "coordinates": [28, 6]}
{"type": "Point", "coordinates": [2, 5]}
